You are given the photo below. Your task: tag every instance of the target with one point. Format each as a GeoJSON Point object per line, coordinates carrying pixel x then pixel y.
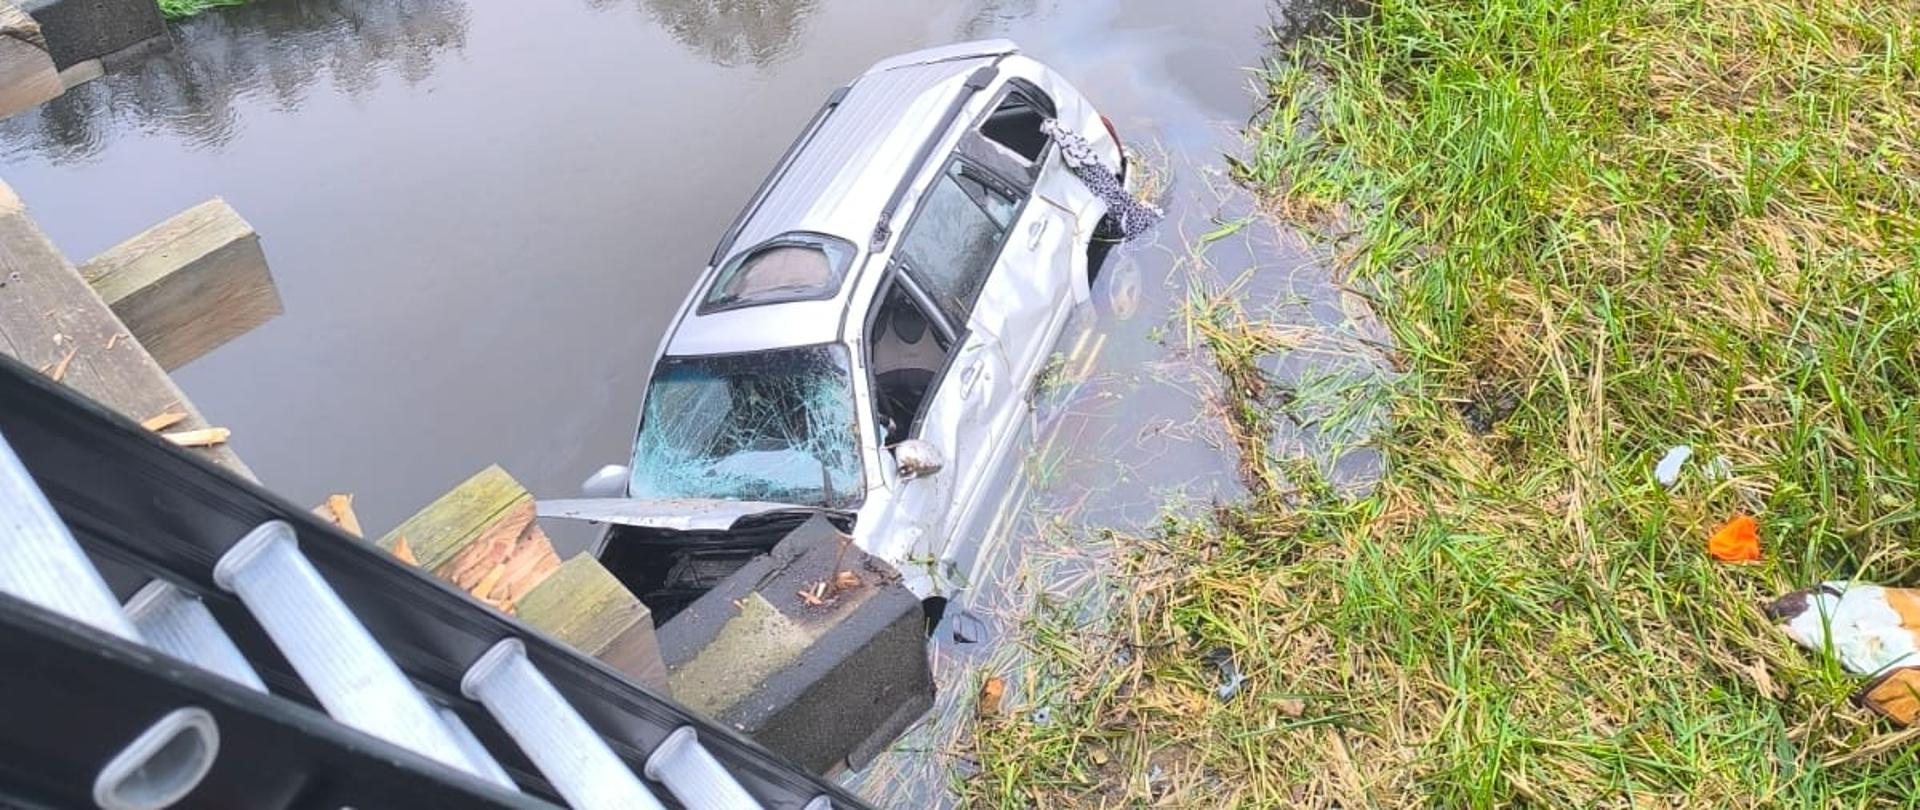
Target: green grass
{"type": "Point", "coordinates": [1601, 229]}
{"type": "Point", "coordinates": [182, 9]}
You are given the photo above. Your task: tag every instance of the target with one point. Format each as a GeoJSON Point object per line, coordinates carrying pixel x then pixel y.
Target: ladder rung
{"type": "Point", "coordinates": [568, 753]}
{"type": "Point", "coordinates": [694, 776]}
{"type": "Point", "coordinates": [339, 660]}
{"type": "Point", "coordinates": [178, 623]}
{"type": "Point", "coordinates": [39, 559]}
{"type": "Point", "coordinates": [483, 762]}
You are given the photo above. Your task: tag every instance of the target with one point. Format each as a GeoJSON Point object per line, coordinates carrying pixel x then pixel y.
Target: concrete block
{"type": "Point", "coordinates": [825, 676]}
{"type": "Point", "coordinates": [78, 30]}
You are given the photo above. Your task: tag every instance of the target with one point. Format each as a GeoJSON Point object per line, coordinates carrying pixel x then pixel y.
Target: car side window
{"type": "Point", "coordinates": [906, 350]}
{"type": "Point", "coordinates": [951, 245]}
{"type": "Point", "coordinates": [1015, 123]}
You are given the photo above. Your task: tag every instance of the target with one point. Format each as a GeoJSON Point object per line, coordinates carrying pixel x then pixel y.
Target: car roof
{"type": "Point", "coordinates": [838, 183]}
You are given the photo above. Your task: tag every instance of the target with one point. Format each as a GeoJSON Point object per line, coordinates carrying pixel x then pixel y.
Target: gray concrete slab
{"type": "Point", "coordinates": [826, 678]}
{"type": "Point", "coordinates": [79, 30]}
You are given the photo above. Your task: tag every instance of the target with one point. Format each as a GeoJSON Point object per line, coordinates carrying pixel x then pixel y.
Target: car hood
{"type": "Point", "coordinates": [678, 514]}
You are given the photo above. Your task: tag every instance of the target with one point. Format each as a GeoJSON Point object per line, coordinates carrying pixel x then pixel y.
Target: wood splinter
{"type": "Point", "coordinates": [164, 420]}
{"type": "Point", "coordinates": [338, 510]}
{"type": "Point", "coordinates": [204, 437]}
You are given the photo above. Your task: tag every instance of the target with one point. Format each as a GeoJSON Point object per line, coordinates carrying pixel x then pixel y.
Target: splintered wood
{"type": "Point", "coordinates": [482, 538]}
{"type": "Point", "coordinates": [338, 510]}
{"type": "Point", "coordinates": [202, 437]}
{"type": "Point", "coordinates": [58, 371]}
{"type": "Point", "coordinates": [52, 321]}
{"type": "Point", "coordinates": [403, 552]}
{"type": "Point", "coordinates": [162, 421]}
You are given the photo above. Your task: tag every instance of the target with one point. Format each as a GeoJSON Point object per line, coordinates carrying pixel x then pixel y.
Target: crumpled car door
{"type": "Point", "coordinates": [958, 421]}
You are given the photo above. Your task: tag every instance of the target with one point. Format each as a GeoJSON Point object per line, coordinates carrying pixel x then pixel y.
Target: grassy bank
{"type": "Point", "coordinates": [1596, 230]}
{"type": "Point", "coordinates": [182, 9]}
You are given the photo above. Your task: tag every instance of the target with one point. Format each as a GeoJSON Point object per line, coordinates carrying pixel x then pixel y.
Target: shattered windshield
{"type": "Point", "coordinates": [773, 425]}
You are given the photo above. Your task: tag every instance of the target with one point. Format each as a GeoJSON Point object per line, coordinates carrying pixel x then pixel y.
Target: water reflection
{"type": "Point", "coordinates": [992, 17]}
{"type": "Point", "coordinates": [729, 33]}
{"type": "Point", "coordinates": [277, 51]}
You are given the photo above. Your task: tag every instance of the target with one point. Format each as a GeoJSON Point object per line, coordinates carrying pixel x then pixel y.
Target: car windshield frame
{"type": "Point", "coordinates": [790, 431]}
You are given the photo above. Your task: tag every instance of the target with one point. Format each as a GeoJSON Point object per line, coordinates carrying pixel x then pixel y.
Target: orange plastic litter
{"type": "Point", "coordinates": [1737, 541]}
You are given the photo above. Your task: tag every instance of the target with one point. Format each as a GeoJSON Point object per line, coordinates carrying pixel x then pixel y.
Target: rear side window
{"type": "Point", "coordinates": [951, 245]}
{"type": "Point", "coordinates": [795, 267]}
{"type": "Point", "coordinates": [1015, 124]}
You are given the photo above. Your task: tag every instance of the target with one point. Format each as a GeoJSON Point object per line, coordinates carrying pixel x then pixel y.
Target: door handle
{"type": "Point", "coordinates": [1034, 232]}
{"type": "Point", "coordinates": [969, 377]}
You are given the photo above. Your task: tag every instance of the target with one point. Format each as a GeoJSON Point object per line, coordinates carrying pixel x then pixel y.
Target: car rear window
{"type": "Point", "coordinates": [795, 267]}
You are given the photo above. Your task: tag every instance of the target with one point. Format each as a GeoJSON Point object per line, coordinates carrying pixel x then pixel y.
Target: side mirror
{"type": "Point", "coordinates": [917, 458]}
{"type": "Point", "coordinates": [609, 482]}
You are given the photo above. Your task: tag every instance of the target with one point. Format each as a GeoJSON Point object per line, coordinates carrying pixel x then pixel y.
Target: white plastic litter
{"type": "Point", "coordinates": [1668, 471]}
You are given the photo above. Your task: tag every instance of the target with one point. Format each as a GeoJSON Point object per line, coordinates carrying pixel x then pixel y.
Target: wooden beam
{"type": "Point", "coordinates": [50, 318]}
{"type": "Point", "coordinates": [481, 537]}
{"type": "Point", "coordinates": [189, 284]}
{"type": "Point", "coordinates": [478, 506]}
{"type": "Point", "coordinates": [584, 605]}
{"type": "Point", "coordinates": [27, 75]}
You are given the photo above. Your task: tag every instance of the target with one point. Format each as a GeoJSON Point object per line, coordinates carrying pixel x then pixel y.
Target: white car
{"type": "Point", "coordinates": [869, 331]}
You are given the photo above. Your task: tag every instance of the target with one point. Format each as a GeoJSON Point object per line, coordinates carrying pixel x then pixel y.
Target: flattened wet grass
{"type": "Point", "coordinates": [1596, 230]}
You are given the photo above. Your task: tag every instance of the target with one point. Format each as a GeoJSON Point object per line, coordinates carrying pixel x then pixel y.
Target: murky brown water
{"type": "Point", "coordinates": [481, 215]}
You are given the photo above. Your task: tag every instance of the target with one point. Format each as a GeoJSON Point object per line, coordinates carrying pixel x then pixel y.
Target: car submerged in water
{"type": "Point", "coordinates": [868, 332]}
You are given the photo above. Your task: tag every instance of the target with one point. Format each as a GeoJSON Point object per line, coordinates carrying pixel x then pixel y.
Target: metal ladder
{"type": "Point", "coordinates": [348, 673]}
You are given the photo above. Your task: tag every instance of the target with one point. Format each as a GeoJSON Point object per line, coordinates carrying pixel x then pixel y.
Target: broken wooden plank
{"type": "Point", "coordinates": [28, 76]}
{"type": "Point", "coordinates": [481, 537]}
{"type": "Point", "coordinates": [47, 309]}
{"type": "Point", "coordinates": [584, 605]}
{"type": "Point", "coordinates": [188, 285]}
{"type": "Point", "coordinates": [443, 529]}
